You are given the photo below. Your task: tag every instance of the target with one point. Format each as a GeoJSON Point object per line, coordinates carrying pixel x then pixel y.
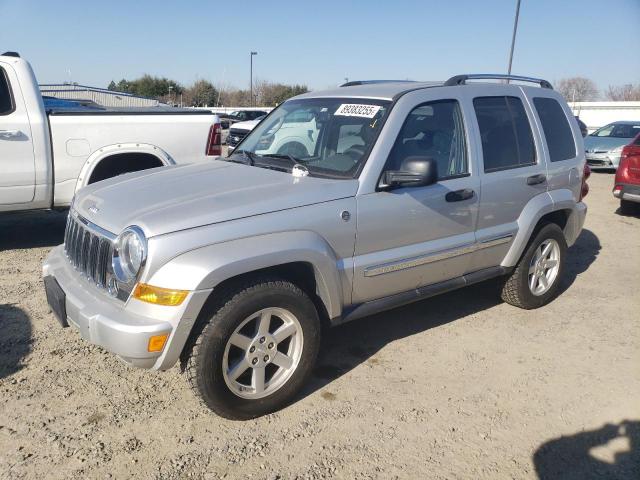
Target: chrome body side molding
{"type": "Point", "coordinates": [434, 257]}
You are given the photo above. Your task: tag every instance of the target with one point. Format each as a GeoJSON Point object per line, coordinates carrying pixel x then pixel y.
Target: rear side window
{"type": "Point", "coordinates": [556, 128]}
{"type": "Point", "coordinates": [507, 141]}
{"type": "Point", "coordinates": [6, 101]}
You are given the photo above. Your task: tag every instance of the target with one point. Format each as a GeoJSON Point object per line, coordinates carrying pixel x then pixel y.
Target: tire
{"type": "Point", "coordinates": [295, 149]}
{"type": "Point", "coordinates": [213, 356]}
{"type": "Point", "coordinates": [627, 207]}
{"type": "Point", "coordinates": [517, 288]}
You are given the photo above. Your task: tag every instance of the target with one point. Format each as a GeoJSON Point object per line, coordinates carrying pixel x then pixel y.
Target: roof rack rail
{"type": "Point", "coordinates": [462, 79]}
{"type": "Point", "coordinates": [369, 82]}
{"type": "Point", "coordinates": [11, 54]}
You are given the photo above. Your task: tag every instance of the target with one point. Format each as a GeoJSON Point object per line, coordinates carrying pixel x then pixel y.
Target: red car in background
{"type": "Point", "coordinates": [627, 183]}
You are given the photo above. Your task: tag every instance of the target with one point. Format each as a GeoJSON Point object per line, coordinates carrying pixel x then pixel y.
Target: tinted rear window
{"type": "Point", "coordinates": [507, 141]}
{"type": "Point", "coordinates": [6, 103]}
{"type": "Point", "coordinates": [556, 128]}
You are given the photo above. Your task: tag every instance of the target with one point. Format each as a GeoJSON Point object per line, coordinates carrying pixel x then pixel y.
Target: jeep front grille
{"type": "Point", "coordinates": [88, 248]}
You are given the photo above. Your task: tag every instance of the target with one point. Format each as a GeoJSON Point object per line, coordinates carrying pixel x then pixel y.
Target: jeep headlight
{"type": "Point", "coordinates": [129, 254]}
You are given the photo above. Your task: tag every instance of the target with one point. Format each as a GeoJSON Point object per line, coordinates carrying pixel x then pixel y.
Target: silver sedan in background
{"type": "Point", "coordinates": [604, 146]}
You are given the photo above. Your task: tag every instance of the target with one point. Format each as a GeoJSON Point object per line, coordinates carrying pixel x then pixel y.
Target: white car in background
{"type": "Point", "coordinates": [294, 134]}
{"type": "Point", "coordinates": [239, 130]}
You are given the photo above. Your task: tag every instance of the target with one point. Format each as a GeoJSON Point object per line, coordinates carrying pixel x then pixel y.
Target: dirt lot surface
{"type": "Point", "coordinates": [459, 386]}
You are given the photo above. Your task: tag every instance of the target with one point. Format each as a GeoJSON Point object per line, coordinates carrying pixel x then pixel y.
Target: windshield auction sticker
{"type": "Point", "coordinates": [357, 110]}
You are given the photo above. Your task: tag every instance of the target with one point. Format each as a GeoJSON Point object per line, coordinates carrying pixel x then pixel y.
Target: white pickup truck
{"type": "Point", "coordinates": [48, 153]}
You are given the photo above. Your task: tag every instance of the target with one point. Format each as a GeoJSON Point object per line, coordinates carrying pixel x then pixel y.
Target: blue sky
{"type": "Point", "coordinates": [320, 43]}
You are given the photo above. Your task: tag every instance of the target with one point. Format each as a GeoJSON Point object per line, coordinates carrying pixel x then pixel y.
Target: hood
{"type": "Point", "coordinates": [168, 199]}
{"type": "Point", "coordinates": [604, 144]}
{"type": "Point", "coordinates": [248, 125]}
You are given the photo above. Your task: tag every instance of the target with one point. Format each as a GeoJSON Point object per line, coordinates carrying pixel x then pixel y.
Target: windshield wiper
{"type": "Point", "coordinates": [298, 169]}
{"type": "Point", "coordinates": [246, 154]}
{"type": "Point", "coordinates": [291, 158]}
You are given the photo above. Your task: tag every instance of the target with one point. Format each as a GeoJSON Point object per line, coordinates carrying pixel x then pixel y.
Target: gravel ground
{"type": "Point", "coordinates": [459, 386]}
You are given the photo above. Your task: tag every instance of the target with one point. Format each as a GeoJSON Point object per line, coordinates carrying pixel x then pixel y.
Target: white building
{"type": "Point", "coordinates": [598, 114]}
{"type": "Point", "coordinates": [100, 96]}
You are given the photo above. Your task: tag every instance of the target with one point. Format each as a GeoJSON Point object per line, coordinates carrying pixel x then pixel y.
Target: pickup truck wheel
{"type": "Point", "coordinates": [536, 278]}
{"type": "Point", "coordinates": [256, 351]}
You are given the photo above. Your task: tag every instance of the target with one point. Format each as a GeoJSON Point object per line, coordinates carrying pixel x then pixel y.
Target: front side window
{"type": "Point", "coordinates": [618, 130]}
{"type": "Point", "coordinates": [556, 129]}
{"type": "Point", "coordinates": [435, 130]}
{"type": "Point", "coordinates": [507, 141]}
{"type": "Point", "coordinates": [327, 136]}
{"type": "Point", "coordinates": [6, 101]}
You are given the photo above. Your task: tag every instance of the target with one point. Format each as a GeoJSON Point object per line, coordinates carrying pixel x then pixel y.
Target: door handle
{"type": "Point", "coordinates": [459, 195]}
{"type": "Point", "coordinates": [536, 179]}
{"type": "Point", "coordinates": [10, 133]}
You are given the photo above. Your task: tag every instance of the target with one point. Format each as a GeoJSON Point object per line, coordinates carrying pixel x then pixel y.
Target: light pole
{"type": "Point", "coordinates": [251, 76]}
{"type": "Point", "coordinates": [513, 38]}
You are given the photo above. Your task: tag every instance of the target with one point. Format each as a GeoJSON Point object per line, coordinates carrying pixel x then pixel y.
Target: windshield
{"type": "Point", "coordinates": [328, 136]}
{"type": "Point", "coordinates": [618, 130]}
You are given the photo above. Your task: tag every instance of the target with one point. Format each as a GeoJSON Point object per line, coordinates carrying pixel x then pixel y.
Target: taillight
{"type": "Point", "coordinates": [214, 142]}
{"type": "Point", "coordinates": [626, 152]}
{"type": "Point", "coordinates": [584, 189]}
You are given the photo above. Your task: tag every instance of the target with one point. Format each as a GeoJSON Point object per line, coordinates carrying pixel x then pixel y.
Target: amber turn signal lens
{"type": "Point", "coordinates": [159, 296]}
{"type": "Point", "coordinates": [156, 343]}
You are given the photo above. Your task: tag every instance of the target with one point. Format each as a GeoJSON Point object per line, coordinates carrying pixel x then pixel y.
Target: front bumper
{"type": "Point", "coordinates": [603, 162]}
{"type": "Point", "coordinates": [627, 192]}
{"type": "Point", "coordinates": [123, 328]}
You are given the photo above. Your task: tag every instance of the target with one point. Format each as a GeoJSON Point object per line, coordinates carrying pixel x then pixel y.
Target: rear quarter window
{"type": "Point", "coordinates": [6, 99]}
{"type": "Point", "coordinates": [556, 129]}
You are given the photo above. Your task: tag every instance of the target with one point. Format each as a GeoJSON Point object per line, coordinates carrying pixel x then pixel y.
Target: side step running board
{"type": "Point", "coordinates": [403, 298]}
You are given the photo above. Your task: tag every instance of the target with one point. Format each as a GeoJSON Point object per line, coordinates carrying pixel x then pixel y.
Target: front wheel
{"type": "Point", "coordinates": [536, 279]}
{"type": "Point", "coordinates": [256, 351]}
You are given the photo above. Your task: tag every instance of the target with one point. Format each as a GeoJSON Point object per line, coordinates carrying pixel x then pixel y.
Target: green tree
{"type": "Point", "coordinates": [201, 94]}
{"type": "Point", "coordinates": [272, 94]}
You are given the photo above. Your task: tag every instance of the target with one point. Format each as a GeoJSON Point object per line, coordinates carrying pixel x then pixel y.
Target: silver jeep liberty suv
{"type": "Point", "coordinates": [337, 205]}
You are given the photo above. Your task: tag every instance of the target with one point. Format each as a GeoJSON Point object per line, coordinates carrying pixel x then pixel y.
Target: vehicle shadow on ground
{"type": "Point", "coordinates": [32, 229]}
{"type": "Point", "coordinates": [633, 213]}
{"type": "Point", "coordinates": [611, 452]}
{"type": "Point", "coordinates": [581, 255]}
{"type": "Point", "coordinates": [15, 339]}
{"type": "Point", "coordinates": [347, 346]}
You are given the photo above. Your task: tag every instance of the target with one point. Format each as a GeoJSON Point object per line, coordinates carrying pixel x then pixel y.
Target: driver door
{"type": "Point", "coordinates": [410, 237]}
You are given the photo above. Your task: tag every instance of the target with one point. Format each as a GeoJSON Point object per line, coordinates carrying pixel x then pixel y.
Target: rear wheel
{"type": "Point", "coordinates": [256, 351]}
{"type": "Point", "coordinates": [536, 278]}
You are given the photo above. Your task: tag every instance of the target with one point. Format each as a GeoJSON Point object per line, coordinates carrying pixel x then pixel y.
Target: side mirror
{"type": "Point", "coordinates": [414, 172]}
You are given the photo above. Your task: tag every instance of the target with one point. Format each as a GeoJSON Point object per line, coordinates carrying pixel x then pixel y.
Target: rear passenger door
{"type": "Point", "coordinates": [512, 171]}
{"type": "Point", "coordinates": [561, 140]}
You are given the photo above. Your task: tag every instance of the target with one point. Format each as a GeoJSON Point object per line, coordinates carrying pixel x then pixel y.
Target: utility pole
{"type": "Point", "coordinates": [513, 38]}
{"type": "Point", "coordinates": [251, 77]}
